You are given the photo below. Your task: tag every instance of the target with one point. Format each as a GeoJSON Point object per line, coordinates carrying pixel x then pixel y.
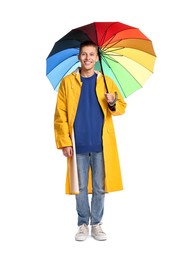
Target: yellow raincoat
{"type": "Point", "coordinates": [65, 112]}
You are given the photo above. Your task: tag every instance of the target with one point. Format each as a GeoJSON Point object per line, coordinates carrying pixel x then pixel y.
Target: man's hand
{"type": "Point", "coordinates": [67, 151]}
{"type": "Point", "coordinates": [109, 97]}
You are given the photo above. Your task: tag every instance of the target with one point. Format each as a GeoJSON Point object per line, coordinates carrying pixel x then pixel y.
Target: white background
{"type": "Point", "coordinates": [148, 220]}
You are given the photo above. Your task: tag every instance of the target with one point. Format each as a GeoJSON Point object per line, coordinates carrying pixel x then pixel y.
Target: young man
{"type": "Point", "coordinates": [83, 116]}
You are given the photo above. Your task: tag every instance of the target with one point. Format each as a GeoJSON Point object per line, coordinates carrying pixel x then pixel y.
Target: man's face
{"type": "Point", "coordinates": [88, 57]}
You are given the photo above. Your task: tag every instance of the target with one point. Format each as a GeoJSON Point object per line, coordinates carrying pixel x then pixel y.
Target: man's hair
{"type": "Point", "coordinates": [88, 43]}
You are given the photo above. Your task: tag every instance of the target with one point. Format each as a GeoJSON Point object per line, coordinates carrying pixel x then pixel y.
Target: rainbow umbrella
{"type": "Point", "coordinates": [125, 54]}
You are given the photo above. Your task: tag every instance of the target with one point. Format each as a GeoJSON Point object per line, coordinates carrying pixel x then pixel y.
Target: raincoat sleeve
{"type": "Point", "coordinates": [120, 104]}
{"type": "Point", "coordinates": [61, 127]}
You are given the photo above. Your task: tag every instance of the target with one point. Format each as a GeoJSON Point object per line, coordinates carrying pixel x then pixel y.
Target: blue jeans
{"type": "Point", "coordinates": [94, 213]}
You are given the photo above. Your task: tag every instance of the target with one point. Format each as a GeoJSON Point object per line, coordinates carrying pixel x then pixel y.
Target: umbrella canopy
{"type": "Point", "coordinates": [126, 54]}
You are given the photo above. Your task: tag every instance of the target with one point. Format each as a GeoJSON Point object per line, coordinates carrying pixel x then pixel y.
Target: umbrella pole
{"type": "Point", "coordinates": [112, 107]}
{"type": "Point", "coordinates": [102, 70]}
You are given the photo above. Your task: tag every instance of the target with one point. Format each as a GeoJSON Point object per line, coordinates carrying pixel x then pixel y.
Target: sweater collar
{"type": "Point", "coordinates": [77, 71]}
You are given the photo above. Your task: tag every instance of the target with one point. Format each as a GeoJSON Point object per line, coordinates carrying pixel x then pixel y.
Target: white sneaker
{"type": "Point", "coordinates": [97, 232]}
{"type": "Point", "coordinates": [82, 233]}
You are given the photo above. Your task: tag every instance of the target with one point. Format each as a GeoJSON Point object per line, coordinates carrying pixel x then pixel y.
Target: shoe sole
{"type": "Point", "coordinates": [81, 238]}
{"type": "Point", "coordinates": [99, 239]}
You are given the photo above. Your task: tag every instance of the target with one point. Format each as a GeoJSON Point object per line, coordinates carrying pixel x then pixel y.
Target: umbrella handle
{"type": "Point", "coordinates": [112, 105]}
{"type": "Point", "coordinates": [116, 97]}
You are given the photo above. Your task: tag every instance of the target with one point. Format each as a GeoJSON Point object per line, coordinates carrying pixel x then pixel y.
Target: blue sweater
{"type": "Point", "coordinates": [89, 119]}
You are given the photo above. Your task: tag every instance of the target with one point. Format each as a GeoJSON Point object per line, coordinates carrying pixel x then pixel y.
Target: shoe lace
{"type": "Point", "coordinates": [98, 228]}
{"type": "Point", "coordinates": [82, 228]}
